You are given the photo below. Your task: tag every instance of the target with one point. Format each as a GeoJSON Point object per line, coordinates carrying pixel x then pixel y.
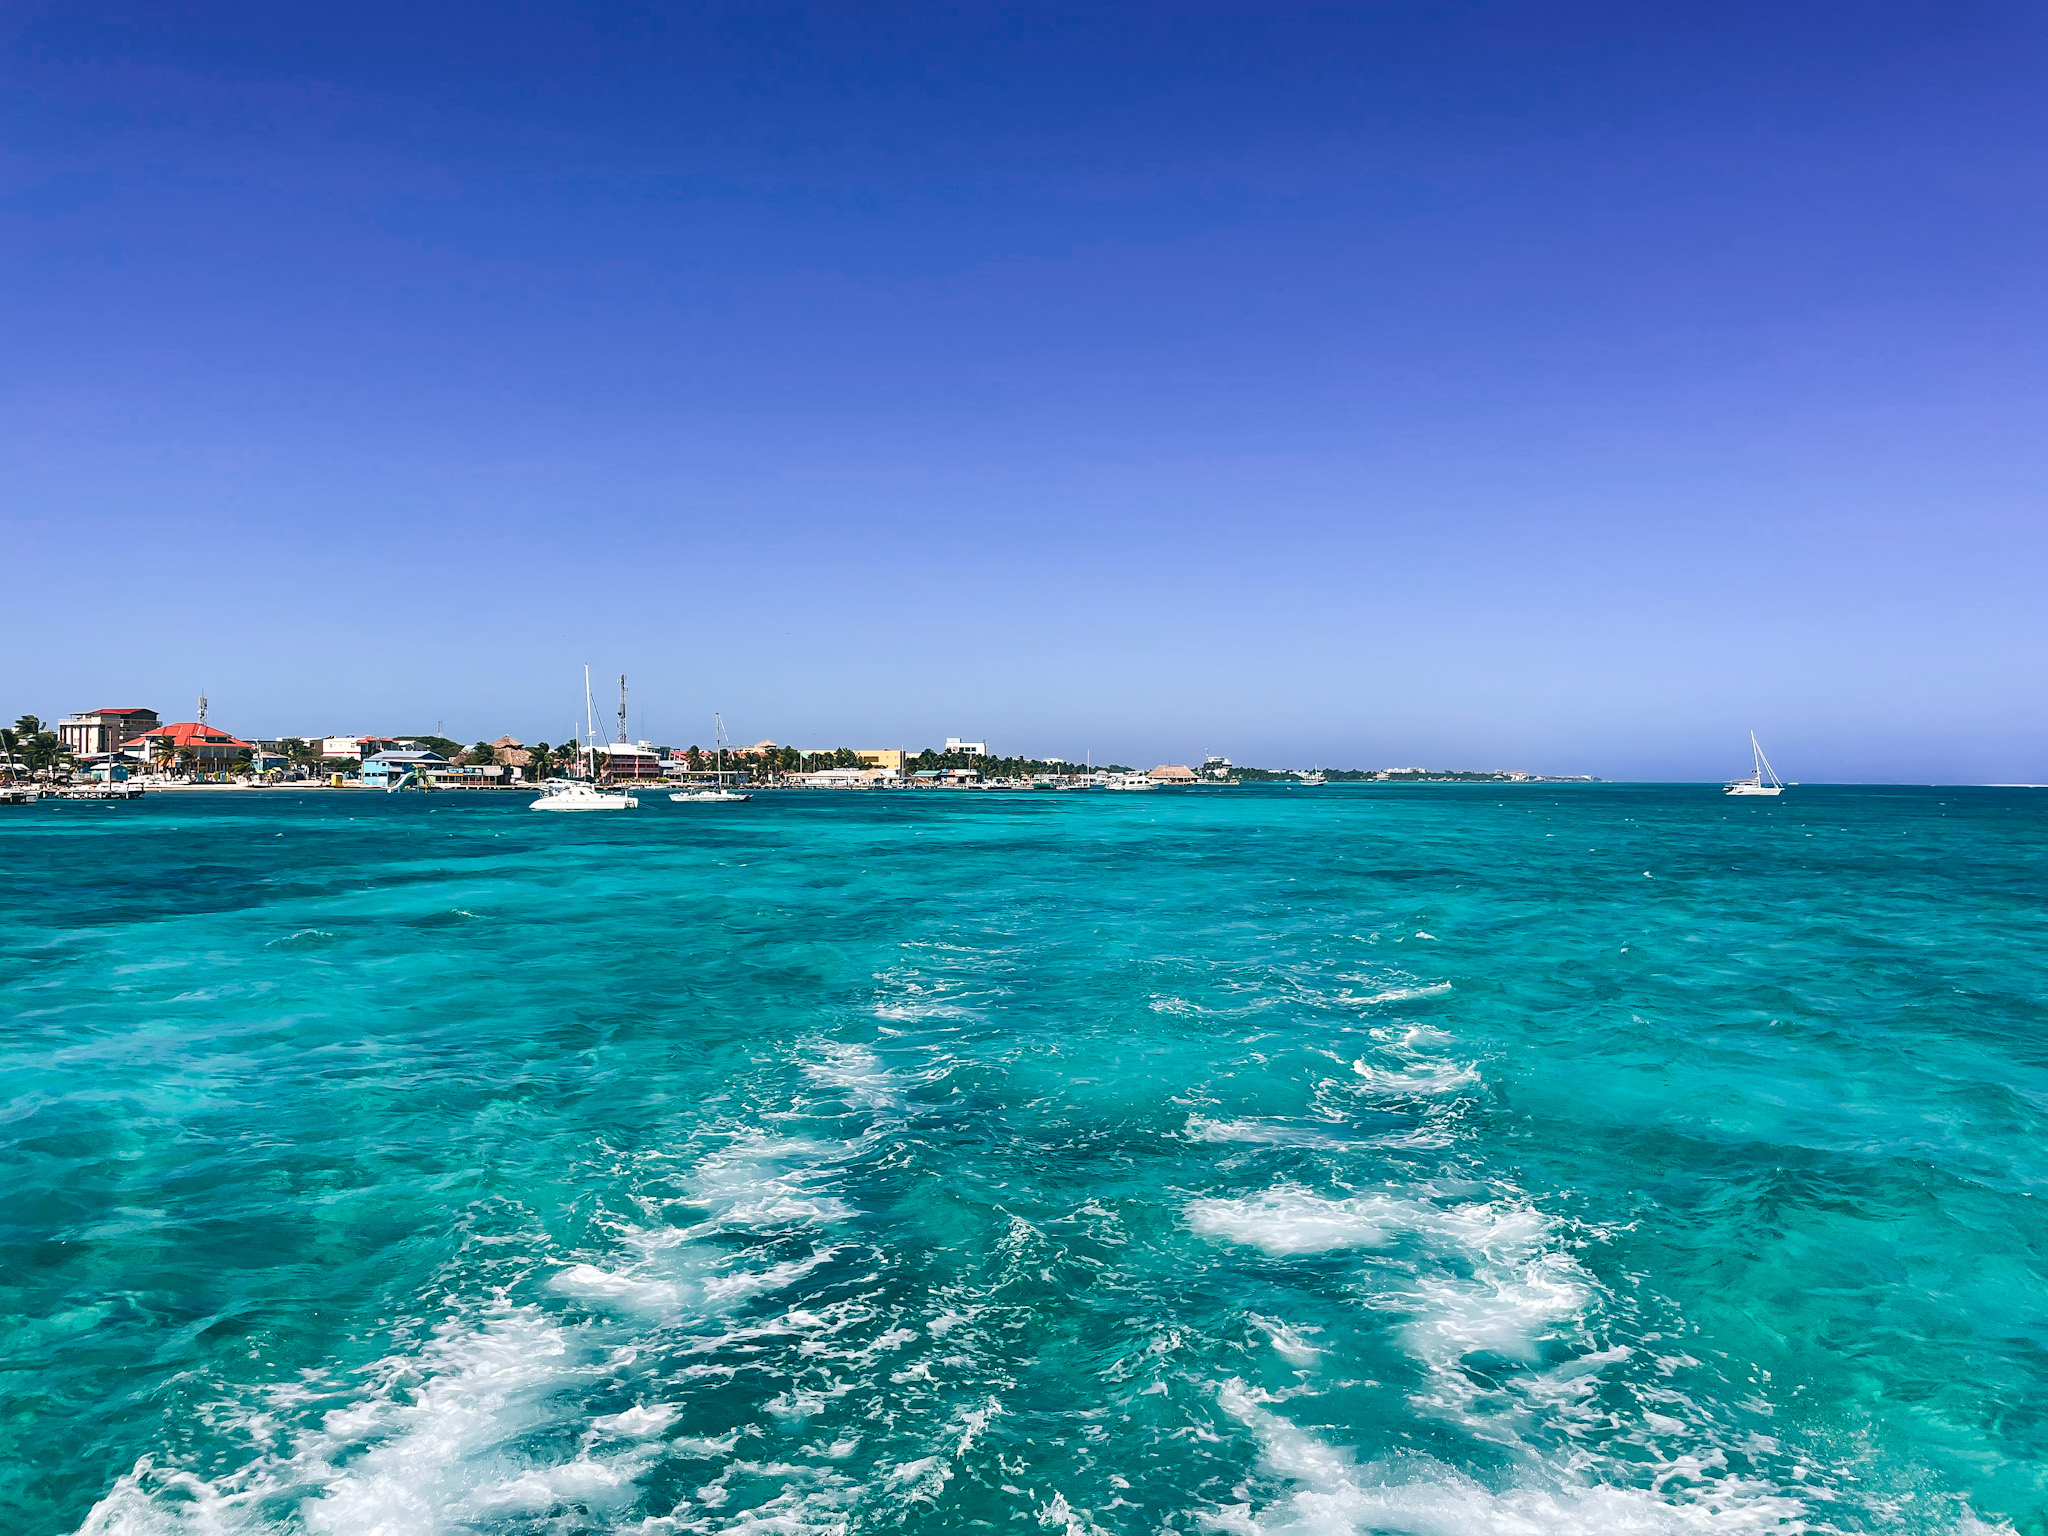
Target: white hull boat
{"type": "Point", "coordinates": [707, 797]}
{"type": "Point", "coordinates": [1764, 781]}
{"type": "Point", "coordinates": [583, 797]}
{"type": "Point", "coordinates": [582, 794]}
{"type": "Point", "coordinates": [1132, 781]}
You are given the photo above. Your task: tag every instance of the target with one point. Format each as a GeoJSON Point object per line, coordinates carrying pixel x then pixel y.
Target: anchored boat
{"type": "Point", "coordinates": [1764, 781]}
{"type": "Point", "coordinates": [575, 795]}
{"type": "Point", "coordinates": [581, 794]}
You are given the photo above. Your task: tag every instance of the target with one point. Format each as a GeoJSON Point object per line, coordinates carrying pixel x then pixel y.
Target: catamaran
{"type": "Point", "coordinates": [581, 794]}
{"type": "Point", "coordinates": [1764, 781]}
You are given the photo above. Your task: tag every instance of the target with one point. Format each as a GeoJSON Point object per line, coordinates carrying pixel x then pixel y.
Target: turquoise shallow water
{"type": "Point", "coordinates": [1437, 1160]}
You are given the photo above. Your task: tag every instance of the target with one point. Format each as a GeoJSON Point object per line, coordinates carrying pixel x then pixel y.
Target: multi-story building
{"type": "Point", "coordinates": [95, 733]}
{"type": "Point", "coordinates": [889, 759]}
{"type": "Point", "coordinates": [629, 760]}
{"type": "Point", "coordinates": [957, 748]}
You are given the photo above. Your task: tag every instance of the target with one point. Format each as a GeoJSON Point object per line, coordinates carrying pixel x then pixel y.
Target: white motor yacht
{"type": "Point", "coordinates": [1131, 781]}
{"type": "Point", "coordinates": [1764, 781]}
{"type": "Point", "coordinates": [707, 797]}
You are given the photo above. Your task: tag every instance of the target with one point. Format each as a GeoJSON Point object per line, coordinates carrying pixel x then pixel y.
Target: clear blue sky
{"type": "Point", "coordinates": [1562, 387]}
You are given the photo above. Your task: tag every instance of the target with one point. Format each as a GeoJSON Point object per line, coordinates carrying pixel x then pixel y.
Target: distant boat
{"type": "Point", "coordinates": [1131, 781]}
{"type": "Point", "coordinates": [578, 794]}
{"type": "Point", "coordinates": [694, 796]}
{"type": "Point", "coordinates": [1764, 781]}
{"type": "Point", "coordinates": [1312, 778]}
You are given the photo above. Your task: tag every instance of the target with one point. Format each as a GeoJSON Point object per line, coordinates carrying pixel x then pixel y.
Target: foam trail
{"type": "Point", "coordinates": [1334, 1495]}
{"type": "Point", "coordinates": [433, 1448]}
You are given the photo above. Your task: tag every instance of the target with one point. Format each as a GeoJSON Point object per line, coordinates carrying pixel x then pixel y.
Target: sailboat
{"type": "Point", "coordinates": [1764, 781]}
{"type": "Point", "coordinates": [717, 793]}
{"type": "Point", "coordinates": [581, 794]}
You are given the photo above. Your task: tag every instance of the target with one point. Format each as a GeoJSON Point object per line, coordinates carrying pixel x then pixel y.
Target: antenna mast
{"type": "Point", "coordinates": [202, 709]}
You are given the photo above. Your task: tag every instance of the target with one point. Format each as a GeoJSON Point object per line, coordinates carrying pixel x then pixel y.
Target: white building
{"type": "Point", "coordinates": [356, 746]}
{"type": "Point", "coordinates": [961, 748]}
{"type": "Point", "coordinates": [94, 733]}
{"type": "Point", "coordinates": [851, 778]}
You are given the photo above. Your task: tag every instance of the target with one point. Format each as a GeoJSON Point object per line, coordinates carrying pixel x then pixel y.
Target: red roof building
{"type": "Point", "coordinates": [211, 745]}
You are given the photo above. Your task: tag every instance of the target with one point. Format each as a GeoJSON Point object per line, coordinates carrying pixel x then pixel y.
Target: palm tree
{"type": "Point", "coordinates": [55, 755]}
{"type": "Point", "coordinates": [540, 760]}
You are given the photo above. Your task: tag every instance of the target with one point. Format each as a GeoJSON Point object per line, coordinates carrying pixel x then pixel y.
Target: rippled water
{"type": "Point", "coordinates": [1431, 1160]}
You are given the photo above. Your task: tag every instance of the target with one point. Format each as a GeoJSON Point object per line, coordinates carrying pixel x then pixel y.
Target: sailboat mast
{"type": "Point", "coordinates": [622, 709]}
{"type": "Point", "coordinates": [589, 722]}
{"type": "Point", "coordinates": [1763, 764]}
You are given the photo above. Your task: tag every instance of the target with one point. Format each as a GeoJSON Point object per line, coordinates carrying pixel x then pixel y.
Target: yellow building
{"type": "Point", "coordinates": [890, 759]}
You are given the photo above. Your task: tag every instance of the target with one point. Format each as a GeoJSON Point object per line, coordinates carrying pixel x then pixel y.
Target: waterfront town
{"type": "Point", "coordinates": [121, 752]}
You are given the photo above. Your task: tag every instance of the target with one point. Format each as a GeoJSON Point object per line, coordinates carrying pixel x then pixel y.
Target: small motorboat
{"type": "Point", "coordinates": [707, 797]}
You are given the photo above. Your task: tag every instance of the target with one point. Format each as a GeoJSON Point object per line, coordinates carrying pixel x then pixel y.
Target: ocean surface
{"type": "Point", "coordinates": [1423, 1159]}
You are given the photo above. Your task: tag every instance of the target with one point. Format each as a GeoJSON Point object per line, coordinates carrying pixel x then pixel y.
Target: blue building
{"type": "Point", "coordinates": [387, 768]}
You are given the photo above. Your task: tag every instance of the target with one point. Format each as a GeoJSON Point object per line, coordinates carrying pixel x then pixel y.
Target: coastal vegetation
{"type": "Point", "coordinates": [929, 761]}
{"type": "Point", "coordinates": [32, 747]}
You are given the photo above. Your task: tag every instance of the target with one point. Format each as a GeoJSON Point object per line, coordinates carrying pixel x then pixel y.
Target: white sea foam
{"type": "Point", "coordinates": [1408, 994]}
{"type": "Point", "coordinates": [1497, 1281]}
{"type": "Point", "coordinates": [433, 1446]}
{"type": "Point", "coordinates": [1504, 1309]}
{"type": "Point", "coordinates": [638, 1421]}
{"type": "Point", "coordinates": [1334, 1495]}
{"type": "Point", "coordinates": [1425, 1079]}
{"type": "Point", "coordinates": [751, 1184]}
{"type": "Point", "coordinates": [856, 1071]}
{"type": "Point", "coordinates": [1287, 1342]}
{"type": "Point", "coordinates": [774, 1278]}
{"type": "Point", "coordinates": [619, 1288]}
{"type": "Point", "coordinates": [1257, 1133]}
{"type": "Point", "coordinates": [1290, 1220]}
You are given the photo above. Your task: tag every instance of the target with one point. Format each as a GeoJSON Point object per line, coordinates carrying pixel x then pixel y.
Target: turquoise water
{"type": "Point", "coordinates": [1438, 1160]}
